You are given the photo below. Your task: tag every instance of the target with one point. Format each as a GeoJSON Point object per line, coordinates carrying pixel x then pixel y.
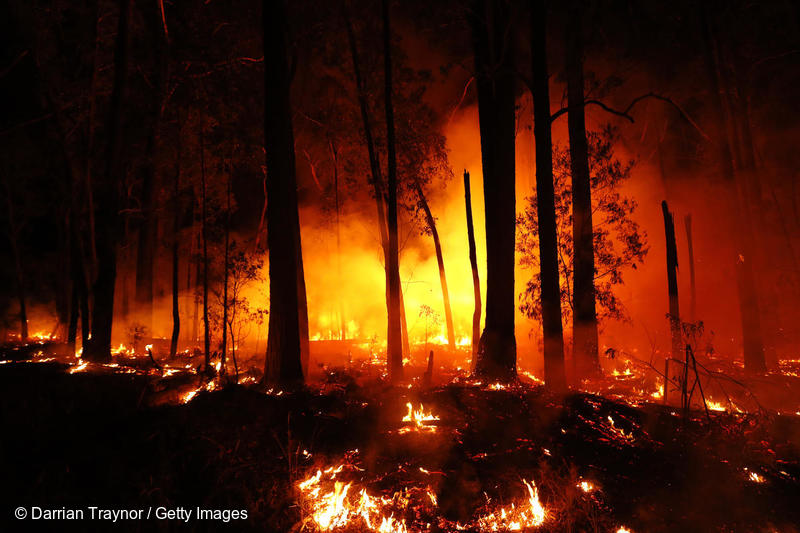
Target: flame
{"type": "Point", "coordinates": [586, 486]}
{"type": "Point", "coordinates": [623, 529]}
{"type": "Point", "coordinates": [345, 506]}
{"type": "Point", "coordinates": [514, 518]}
{"type": "Point", "coordinates": [122, 350]}
{"type": "Point", "coordinates": [659, 394]}
{"type": "Point", "coordinates": [715, 406]}
{"type": "Point", "coordinates": [755, 477]}
{"type": "Point", "coordinates": [79, 368]}
{"type": "Point", "coordinates": [423, 421]}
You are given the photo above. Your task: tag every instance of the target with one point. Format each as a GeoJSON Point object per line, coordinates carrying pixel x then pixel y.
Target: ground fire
{"type": "Point", "coordinates": [400, 266]}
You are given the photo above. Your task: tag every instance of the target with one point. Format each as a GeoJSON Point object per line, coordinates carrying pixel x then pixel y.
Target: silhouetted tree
{"type": "Point", "coordinates": [107, 197]}
{"type": "Point", "coordinates": [552, 328]}
{"type": "Point", "coordinates": [284, 359]}
{"type": "Point", "coordinates": [584, 319]}
{"type": "Point", "coordinates": [494, 65]}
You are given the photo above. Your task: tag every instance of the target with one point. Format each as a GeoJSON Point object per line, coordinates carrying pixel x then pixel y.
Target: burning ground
{"type": "Point", "coordinates": [349, 452]}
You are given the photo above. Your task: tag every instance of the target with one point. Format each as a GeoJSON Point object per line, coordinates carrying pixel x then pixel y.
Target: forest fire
{"type": "Point", "coordinates": [465, 265]}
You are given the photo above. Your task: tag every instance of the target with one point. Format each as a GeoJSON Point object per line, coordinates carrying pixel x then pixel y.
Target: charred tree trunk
{"type": "Point", "coordinates": [376, 180]}
{"type": "Point", "coordinates": [204, 238]}
{"type": "Point", "coordinates": [335, 162]}
{"type": "Point", "coordinates": [148, 228]}
{"type": "Point", "coordinates": [18, 270]}
{"type": "Point", "coordinates": [107, 217]}
{"type": "Point", "coordinates": [753, 345]}
{"type": "Point", "coordinates": [176, 228]}
{"type": "Point", "coordinates": [753, 194]}
{"type": "Point", "coordinates": [284, 343]}
{"type": "Point", "coordinates": [672, 283]}
{"type": "Point", "coordinates": [80, 300]}
{"type": "Point", "coordinates": [394, 332]}
{"type": "Point", "coordinates": [494, 65]}
{"type": "Point", "coordinates": [448, 313]}
{"type": "Point", "coordinates": [476, 281]}
{"type": "Point", "coordinates": [225, 275]}
{"type": "Point", "coordinates": [552, 327]}
{"type": "Point", "coordinates": [584, 323]}
{"type": "Point", "coordinates": [692, 287]}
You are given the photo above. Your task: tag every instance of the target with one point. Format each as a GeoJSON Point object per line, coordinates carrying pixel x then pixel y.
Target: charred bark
{"type": "Point", "coordinates": [476, 281]}
{"type": "Point", "coordinates": [176, 224]}
{"type": "Point", "coordinates": [394, 332]}
{"type": "Point", "coordinates": [204, 238]}
{"type": "Point", "coordinates": [18, 269]}
{"type": "Point", "coordinates": [448, 312]}
{"type": "Point", "coordinates": [284, 352]}
{"type": "Point", "coordinates": [584, 324]}
{"type": "Point", "coordinates": [687, 221]}
{"type": "Point", "coordinates": [376, 178]}
{"type": "Point", "coordinates": [107, 219]}
{"type": "Point", "coordinates": [494, 65]}
{"type": "Point", "coordinates": [552, 327]}
{"type": "Point", "coordinates": [753, 345]}
{"type": "Point", "coordinates": [226, 271]}
{"type": "Point", "coordinates": [672, 283]}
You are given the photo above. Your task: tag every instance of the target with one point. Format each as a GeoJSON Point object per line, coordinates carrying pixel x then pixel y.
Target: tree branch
{"type": "Point", "coordinates": [626, 112]}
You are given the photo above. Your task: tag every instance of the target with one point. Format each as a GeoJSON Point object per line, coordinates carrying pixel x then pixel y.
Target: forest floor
{"type": "Point", "coordinates": [470, 456]}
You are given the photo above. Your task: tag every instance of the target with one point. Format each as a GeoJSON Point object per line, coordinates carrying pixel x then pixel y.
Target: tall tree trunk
{"type": "Point", "coordinates": [672, 283]}
{"type": "Point", "coordinates": [335, 161]}
{"type": "Point", "coordinates": [687, 221]}
{"type": "Point", "coordinates": [584, 323]}
{"type": "Point", "coordinates": [107, 218]}
{"type": "Point", "coordinates": [394, 328]}
{"type": "Point", "coordinates": [753, 194]}
{"type": "Point", "coordinates": [226, 271]}
{"type": "Point", "coordinates": [148, 228]}
{"type": "Point", "coordinates": [476, 281]}
{"type": "Point", "coordinates": [494, 65]}
{"type": "Point", "coordinates": [448, 313]}
{"type": "Point", "coordinates": [80, 305]}
{"type": "Point", "coordinates": [284, 352]}
{"type": "Point", "coordinates": [13, 232]}
{"type": "Point", "coordinates": [204, 238]}
{"type": "Point", "coordinates": [753, 345]}
{"type": "Point", "coordinates": [198, 271]}
{"type": "Point", "coordinates": [176, 227]}
{"type": "Point", "coordinates": [376, 180]}
{"type": "Point", "coordinates": [552, 327]}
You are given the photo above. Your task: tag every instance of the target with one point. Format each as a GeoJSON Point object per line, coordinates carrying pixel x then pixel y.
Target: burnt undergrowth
{"type": "Point", "coordinates": [97, 439]}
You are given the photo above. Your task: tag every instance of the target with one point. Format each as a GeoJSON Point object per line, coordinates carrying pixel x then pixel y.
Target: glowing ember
{"type": "Point", "coordinates": [79, 368]}
{"type": "Point", "coordinates": [623, 529]}
{"type": "Point", "coordinates": [755, 477]}
{"type": "Point", "coordinates": [619, 431]}
{"type": "Point", "coordinates": [586, 486]}
{"type": "Point", "coordinates": [186, 398]}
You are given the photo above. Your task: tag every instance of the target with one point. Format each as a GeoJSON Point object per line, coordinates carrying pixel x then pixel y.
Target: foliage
{"type": "Point", "coordinates": [619, 242]}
